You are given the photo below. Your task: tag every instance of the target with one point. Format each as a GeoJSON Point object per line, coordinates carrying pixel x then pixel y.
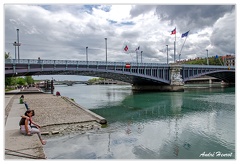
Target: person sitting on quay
{"type": "Point", "coordinates": [21, 99]}
{"type": "Point", "coordinates": [58, 93]}
{"type": "Point", "coordinates": [27, 128]}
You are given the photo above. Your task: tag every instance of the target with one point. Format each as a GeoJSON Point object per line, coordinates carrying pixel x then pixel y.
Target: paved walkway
{"type": "Point", "coordinates": [18, 146]}
{"type": "Point", "coordinates": [52, 111]}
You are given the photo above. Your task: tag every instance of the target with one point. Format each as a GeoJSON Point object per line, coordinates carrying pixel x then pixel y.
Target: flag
{"type": "Point", "coordinates": [173, 31]}
{"type": "Point", "coordinates": [185, 34]}
{"type": "Point", "coordinates": [137, 48]}
{"type": "Point", "coordinates": [126, 48]}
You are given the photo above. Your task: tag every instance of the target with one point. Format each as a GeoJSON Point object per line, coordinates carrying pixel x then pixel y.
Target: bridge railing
{"type": "Point", "coordinates": [207, 66]}
{"type": "Point", "coordinates": [103, 63]}
{"type": "Point", "coordinates": [36, 61]}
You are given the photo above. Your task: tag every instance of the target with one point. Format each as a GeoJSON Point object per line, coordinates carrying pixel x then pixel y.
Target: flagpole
{"type": "Point", "coordinates": [136, 56]}
{"type": "Point", "coordinates": [183, 45]}
{"type": "Point", "coordinates": [175, 46]}
{"type": "Point", "coordinates": [174, 57]}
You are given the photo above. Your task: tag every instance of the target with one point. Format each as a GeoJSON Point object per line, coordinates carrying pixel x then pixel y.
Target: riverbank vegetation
{"type": "Point", "coordinates": [95, 80]}
{"type": "Point", "coordinates": [203, 61]}
{"type": "Point", "coordinates": [15, 82]}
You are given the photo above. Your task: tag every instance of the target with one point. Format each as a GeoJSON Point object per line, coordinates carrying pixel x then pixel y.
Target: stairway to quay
{"type": "Point", "coordinates": [57, 115]}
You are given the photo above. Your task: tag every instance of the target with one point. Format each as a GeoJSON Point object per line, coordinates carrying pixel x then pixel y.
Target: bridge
{"type": "Point", "coordinates": [68, 82]}
{"type": "Point", "coordinates": [142, 76]}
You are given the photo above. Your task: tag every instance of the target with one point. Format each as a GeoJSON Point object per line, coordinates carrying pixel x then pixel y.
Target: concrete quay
{"type": "Point", "coordinates": [55, 114]}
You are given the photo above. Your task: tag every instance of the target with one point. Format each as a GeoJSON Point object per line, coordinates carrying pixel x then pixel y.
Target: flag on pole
{"type": "Point", "coordinates": [185, 34]}
{"type": "Point", "coordinates": [137, 48]}
{"type": "Point", "coordinates": [126, 48]}
{"type": "Point", "coordinates": [173, 31]}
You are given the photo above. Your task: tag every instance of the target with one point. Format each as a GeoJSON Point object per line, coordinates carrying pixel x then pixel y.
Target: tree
{"type": "Point", "coordinates": [21, 81]}
{"type": "Point", "coordinates": [214, 60]}
{"type": "Point", "coordinates": [8, 80]}
{"type": "Point", "coordinates": [29, 79]}
{"type": "Point", "coordinates": [12, 81]}
{"type": "Point", "coordinates": [7, 55]}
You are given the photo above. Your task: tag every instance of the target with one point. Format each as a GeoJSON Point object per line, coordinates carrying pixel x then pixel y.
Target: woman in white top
{"type": "Point", "coordinates": [27, 129]}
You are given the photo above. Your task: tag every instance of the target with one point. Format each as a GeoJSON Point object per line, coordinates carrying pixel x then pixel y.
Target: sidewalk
{"type": "Point", "coordinates": [18, 146]}
{"type": "Point", "coordinates": [51, 115]}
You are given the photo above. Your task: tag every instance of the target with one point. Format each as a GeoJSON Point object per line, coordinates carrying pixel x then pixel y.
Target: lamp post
{"type": "Point", "coordinates": [87, 55]}
{"type": "Point", "coordinates": [15, 44]}
{"type": "Point", "coordinates": [167, 54]}
{"type": "Point", "coordinates": [141, 56]}
{"type": "Point", "coordinates": [18, 43]}
{"type": "Point", "coordinates": [106, 48]}
{"type": "Point", "coordinates": [207, 57]}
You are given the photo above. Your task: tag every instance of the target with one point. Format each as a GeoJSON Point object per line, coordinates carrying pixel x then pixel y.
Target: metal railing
{"type": "Point", "coordinates": [76, 62]}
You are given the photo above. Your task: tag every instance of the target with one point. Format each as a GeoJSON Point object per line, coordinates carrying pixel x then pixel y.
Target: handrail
{"type": "Point", "coordinates": [102, 63]}
{"type": "Point", "coordinates": [36, 61]}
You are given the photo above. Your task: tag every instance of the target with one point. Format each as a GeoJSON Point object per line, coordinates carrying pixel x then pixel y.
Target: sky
{"type": "Point", "coordinates": [63, 31]}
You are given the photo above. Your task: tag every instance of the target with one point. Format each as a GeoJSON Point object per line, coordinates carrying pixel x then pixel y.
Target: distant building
{"type": "Point", "coordinates": [228, 60]}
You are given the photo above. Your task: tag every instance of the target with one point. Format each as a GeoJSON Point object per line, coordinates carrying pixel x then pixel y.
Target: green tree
{"type": "Point", "coordinates": [94, 80]}
{"type": "Point", "coordinates": [8, 80]}
{"type": "Point", "coordinates": [29, 79]}
{"type": "Point", "coordinates": [203, 61]}
{"type": "Point", "coordinates": [7, 55]}
{"type": "Point", "coordinates": [21, 81]}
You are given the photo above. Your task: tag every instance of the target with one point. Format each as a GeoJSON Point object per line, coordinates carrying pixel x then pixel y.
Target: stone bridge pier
{"type": "Point", "coordinates": [176, 82]}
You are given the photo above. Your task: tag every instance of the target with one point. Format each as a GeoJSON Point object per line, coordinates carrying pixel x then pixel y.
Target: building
{"type": "Point", "coordinates": [228, 60]}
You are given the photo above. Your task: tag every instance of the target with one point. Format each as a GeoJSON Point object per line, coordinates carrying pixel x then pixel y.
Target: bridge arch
{"type": "Point", "coordinates": [225, 73]}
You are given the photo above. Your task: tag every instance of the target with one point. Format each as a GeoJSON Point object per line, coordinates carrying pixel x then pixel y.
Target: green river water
{"type": "Point", "coordinates": [198, 123]}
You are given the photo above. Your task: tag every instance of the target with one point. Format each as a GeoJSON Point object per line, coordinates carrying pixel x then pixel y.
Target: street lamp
{"type": "Point", "coordinates": [15, 44]}
{"type": "Point", "coordinates": [167, 54]}
{"type": "Point", "coordinates": [87, 54]}
{"type": "Point", "coordinates": [141, 56]}
{"type": "Point", "coordinates": [207, 57]}
{"type": "Point", "coordinates": [18, 44]}
{"type": "Point", "coordinates": [106, 48]}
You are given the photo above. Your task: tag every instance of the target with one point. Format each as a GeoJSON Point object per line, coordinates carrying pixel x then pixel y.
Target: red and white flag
{"type": "Point", "coordinates": [126, 48]}
{"type": "Point", "coordinates": [173, 31]}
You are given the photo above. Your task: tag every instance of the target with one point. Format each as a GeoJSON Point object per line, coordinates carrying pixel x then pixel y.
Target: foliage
{"type": "Point", "coordinates": [94, 80]}
{"type": "Point", "coordinates": [21, 81]}
{"type": "Point", "coordinates": [7, 55]}
{"type": "Point", "coordinates": [29, 80]}
{"type": "Point", "coordinates": [203, 61]}
{"type": "Point", "coordinates": [13, 81]}
{"type": "Point", "coordinates": [8, 80]}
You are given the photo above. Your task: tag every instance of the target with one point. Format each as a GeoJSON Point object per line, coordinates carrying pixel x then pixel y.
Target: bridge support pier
{"type": "Point", "coordinates": [176, 82]}
{"type": "Point", "coordinates": [158, 88]}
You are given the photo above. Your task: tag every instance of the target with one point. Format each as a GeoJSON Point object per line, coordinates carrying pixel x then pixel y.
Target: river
{"type": "Point", "coordinates": [198, 123]}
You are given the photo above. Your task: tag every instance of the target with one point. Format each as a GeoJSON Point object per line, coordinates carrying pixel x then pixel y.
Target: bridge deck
{"type": "Point", "coordinates": [134, 73]}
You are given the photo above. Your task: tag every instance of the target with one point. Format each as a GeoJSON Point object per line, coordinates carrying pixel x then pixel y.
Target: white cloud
{"type": "Point", "coordinates": [64, 31]}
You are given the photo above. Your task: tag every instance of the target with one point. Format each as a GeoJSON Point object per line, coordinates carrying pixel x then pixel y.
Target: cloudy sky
{"type": "Point", "coordinates": [61, 31]}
